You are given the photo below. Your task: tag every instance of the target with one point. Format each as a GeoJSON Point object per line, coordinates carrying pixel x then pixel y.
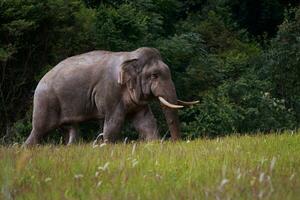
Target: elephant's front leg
{"type": "Point", "coordinates": [145, 123]}
{"type": "Point", "coordinates": [112, 125]}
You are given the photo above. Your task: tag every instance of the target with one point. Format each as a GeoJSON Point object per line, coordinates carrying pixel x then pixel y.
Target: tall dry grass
{"type": "Point", "coordinates": [235, 167]}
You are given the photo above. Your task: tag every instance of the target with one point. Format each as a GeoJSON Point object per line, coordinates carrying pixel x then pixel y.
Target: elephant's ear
{"type": "Point", "coordinates": [128, 71]}
{"type": "Point", "coordinates": [129, 76]}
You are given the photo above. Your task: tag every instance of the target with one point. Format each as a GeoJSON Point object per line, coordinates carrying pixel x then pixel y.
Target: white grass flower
{"type": "Point", "coordinates": [262, 161]}
{"type": "Point", "coordinates": [48, 179]}
{"type": "Point", "coordinates": [253, 180]}
{"type": "Point", "coordinates": [97, 174]}
{"type": "Point", "coordinates": [223, 182]}
{"type": "Point", "coordinates": [261, 177]}
{"type": "Point", "coordinates": [105, 167]}
{"type": "Point", "coordinates": [134, 162]}
{"type": "Point", "coordinates": [261, 194]}
{"type": "Point", "coordinates": [15, 144]}
{"type": "Point", "coordinates": [96, 141]}
{"type": "Point", "coordinates": [99, 184]}
{"type": "Point", "coordinates": [188, 141]}
{"type": "Point", "coordinates": [133, 148]}
{"type": "Point", "coordinates": [239, 174]}
{"type": "Point", "coordinates": [266, 94]}
{"type": "Point", "coordinates": [158, 176]}
{"type": "Point", "coordinates": [102, 145]}
{"type": "Point", "coordinates": [273, 161]}
{"type": "Point", "coordinates": [292, 176]}
{"type": "Point", "coordinates": [112, 153]}
{"type": "Point", "coordinates": [78, 176]}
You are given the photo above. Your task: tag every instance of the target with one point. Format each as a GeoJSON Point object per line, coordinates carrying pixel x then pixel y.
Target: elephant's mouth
{"type": "Point", "coordinates": [181, 103]}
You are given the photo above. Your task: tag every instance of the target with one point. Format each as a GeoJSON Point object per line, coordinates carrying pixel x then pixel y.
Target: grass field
{"type": "Point", "coordinates": [235, 167]}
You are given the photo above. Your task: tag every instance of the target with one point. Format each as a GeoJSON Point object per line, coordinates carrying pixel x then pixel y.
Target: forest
{"type": "Point", "coordinates": [240, 58]}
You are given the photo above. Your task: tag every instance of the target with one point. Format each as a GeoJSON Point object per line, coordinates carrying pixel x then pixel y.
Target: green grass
{"type": "Point", "coordinates": [235, 167]}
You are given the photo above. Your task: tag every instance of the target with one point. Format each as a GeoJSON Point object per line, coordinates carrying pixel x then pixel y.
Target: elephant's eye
{"type": "Point", "coordinates": [154, 76]}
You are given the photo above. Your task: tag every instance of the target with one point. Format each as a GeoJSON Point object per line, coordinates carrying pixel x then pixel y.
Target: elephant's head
{"type": "Point", "coordinates": [146, 77]}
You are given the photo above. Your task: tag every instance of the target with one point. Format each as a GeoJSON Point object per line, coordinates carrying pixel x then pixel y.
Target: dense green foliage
{"type": "Point", "coordinates": [239, 58]}
{"type": "Point", "coordinates": [234, 167]}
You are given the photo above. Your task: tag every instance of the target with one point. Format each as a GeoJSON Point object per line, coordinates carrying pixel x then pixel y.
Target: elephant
{"type": "Point", "coordinates": [106, 85]}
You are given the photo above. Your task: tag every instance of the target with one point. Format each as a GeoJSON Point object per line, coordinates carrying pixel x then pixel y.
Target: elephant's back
{"type": "Point", "coordinates": [75, 64]}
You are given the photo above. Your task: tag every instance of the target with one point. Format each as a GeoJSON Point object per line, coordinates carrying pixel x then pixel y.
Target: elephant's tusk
{"type": "Point", "coordinates": [166, 103]}
{"type": "Point", "coordinates": [187, 103]}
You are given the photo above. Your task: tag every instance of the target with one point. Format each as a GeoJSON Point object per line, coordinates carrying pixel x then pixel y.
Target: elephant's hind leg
{"type": "Point", "coordinates": [44, 119]}
{"type": "Point", "coordinates": [36, 134]}
{"type": "Point", "coordinates": [33, 138]}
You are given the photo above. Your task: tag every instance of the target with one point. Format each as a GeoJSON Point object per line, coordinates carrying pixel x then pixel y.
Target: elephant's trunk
{"type": "Point", "coordinates": [173, 122]}
{"type": "Point", "coordinates": [168, 103]}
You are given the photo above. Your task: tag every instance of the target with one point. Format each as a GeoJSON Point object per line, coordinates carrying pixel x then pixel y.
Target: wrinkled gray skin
{"type": "Point", "coordinates": [104, 85]}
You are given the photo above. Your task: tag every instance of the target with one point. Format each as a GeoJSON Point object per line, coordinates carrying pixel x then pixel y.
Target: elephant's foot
{"type": "Point", "coordinates": [32, 140]}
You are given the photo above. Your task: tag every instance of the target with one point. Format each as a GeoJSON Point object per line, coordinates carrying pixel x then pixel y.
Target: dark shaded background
{"type": "Point", "coordinates": [240, 58]}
